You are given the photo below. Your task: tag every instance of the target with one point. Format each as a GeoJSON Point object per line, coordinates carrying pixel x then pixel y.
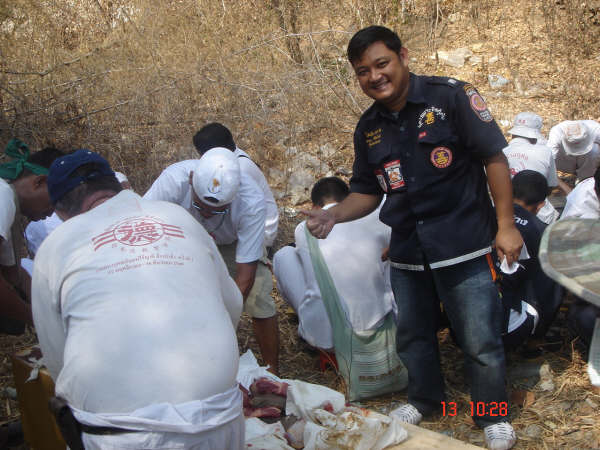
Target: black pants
{"type": "Point", "coordinates": [582, 318]}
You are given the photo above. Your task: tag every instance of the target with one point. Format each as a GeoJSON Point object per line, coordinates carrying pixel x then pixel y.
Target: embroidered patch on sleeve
{"type": "Point", "coordinates": [478, 104]}
{"type": "Point", "coordinates": [394, 173]}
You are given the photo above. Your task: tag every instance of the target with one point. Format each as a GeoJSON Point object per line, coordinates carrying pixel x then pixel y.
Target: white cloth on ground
{"type": "Point", "coordinates": [249, 168]}
{"type": "Point", "coordinates": [582, 202]}
{"type": "Point", "coordinates": [8, 211]}
{"type": "Point", "coordinates": [352, 252]}
{"type": "Point", "coordinates": [244, 221]}
{"type": "Point", "coordinates": [121, 296]}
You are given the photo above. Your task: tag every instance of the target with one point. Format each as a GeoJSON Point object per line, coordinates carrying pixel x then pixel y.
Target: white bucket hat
{"type": "Point", "coordinates": [527, 124]}
{"type": "Point", "coordinates": [216, 178]}
{"type": "Point", "coordinates": [577, 139]}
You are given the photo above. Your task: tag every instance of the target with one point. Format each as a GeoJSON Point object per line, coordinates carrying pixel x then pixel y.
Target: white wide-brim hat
{"type": "Point", "coordinates": [577, 139]}
{"type": "Point", "coordinates": [527, 124]}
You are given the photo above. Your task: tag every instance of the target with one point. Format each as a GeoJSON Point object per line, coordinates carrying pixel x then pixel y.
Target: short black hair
{"type": "Point", "coordinates": [213, 135]}
{"type": "Point", "coordinates": [44, 158]}
{"type": "Point", "coordinates": [364, 38]}
{"type": "Point", "coordinates": [333, 188]}
{"type": "Point", "coordinates": [72, 201]}
{"type": "Point", "coordinates": [530, 187]}
{"type": "Point", "coordinates": [597, 182]}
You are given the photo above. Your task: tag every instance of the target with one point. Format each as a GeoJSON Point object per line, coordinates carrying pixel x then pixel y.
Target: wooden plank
{"type": "Point", "coordinates": [422, 438]}
{"type": "Point", "coordinates": [39, 428]}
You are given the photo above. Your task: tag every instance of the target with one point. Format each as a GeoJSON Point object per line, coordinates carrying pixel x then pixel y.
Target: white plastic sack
{"type": "Point", "coordinates": [353, 429]}
{"type": "Point", "coordinates": [249, 370]}
{"type": "Point", "coordinates": [304, 398]}
{"type": "Point", "coordinates": [264, 436]}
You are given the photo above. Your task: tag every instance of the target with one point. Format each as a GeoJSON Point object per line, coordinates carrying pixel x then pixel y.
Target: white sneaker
{"type": "Point", "coordinates": [500, 436]}
{"type": "Point", "coordinates": [407, 413]}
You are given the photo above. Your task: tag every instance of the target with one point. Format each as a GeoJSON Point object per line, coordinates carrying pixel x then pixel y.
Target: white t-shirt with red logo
{"type": "Point", "coordinates": [125, 298]}
{"type": "Point", "coordinates": [8, 210]}
{"type": "Point", "coordinates": [522, 155]}
{"type": "Point", "coordinates": [245, 218]}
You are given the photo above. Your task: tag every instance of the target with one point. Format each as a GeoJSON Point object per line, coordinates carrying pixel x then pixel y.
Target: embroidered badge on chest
{"type": "Point", "coordinates": [430, 115]}
{"type": "Point", "coordinates": [381, 179]}
{"type": "Point", "coordinates": [394, 173]}
{"type": "Point", "coordinates": [478, 104]}
{"type": "Point", "coordinates": [373, 137]}
{"type": "Point", "coordinates": [441, 157]}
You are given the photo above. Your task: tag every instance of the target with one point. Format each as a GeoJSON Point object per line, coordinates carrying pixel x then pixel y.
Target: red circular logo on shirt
{"type": "Point", "coordinates": [441, 157]}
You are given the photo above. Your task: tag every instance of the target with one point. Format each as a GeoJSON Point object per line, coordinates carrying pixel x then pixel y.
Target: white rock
{"type": "Point", "coordinates": [474, 60]}
{"type": "Point", "coordinates": [276, 176]}
{"type": "Point", "coordinates": [451, 59]}
{"type": "Point", "coordinates": [547, 385]}
{"type": "Point", "coordinates": [454, 17]}
{"type": "Point", "coordinates": [299, 185]}
{"type": "Point", "coordinates": [306, 160]}
{"type": "Point", "coordinates": [327, 150]}
{"type": "Point", "coordinates": [497, 81]}
{"type": "Point", "coordinates": [493, 59]}
{"type": "Point", "coordinates": [464, 52]}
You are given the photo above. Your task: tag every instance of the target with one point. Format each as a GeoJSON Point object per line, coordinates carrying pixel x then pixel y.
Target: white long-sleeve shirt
{"type": "Point", "coordinates": [352, 252]}
{"type": "Point", "coordinates": [125, 298]}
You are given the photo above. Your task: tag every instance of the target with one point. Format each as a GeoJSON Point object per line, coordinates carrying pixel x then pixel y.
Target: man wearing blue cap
{"type": "Point", "coordinates": [23, 191]}
{"type": "Point", "coordinates": [125, 292]}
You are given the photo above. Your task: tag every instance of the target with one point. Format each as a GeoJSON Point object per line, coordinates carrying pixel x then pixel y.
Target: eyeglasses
{"type": "Point", "coordinates": [204, 209]}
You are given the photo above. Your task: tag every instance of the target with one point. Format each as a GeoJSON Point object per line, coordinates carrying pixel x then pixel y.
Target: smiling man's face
{"type": "Point", "coordinates": [383, 75]}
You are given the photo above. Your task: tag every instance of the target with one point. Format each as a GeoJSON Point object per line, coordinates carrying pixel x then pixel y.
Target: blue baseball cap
{"type": "Point", "coordinates": [60, 179]}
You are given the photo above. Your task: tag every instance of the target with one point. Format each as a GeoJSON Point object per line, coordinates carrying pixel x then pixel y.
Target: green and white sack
{"type": "Point", "coordinates": [367, 361]}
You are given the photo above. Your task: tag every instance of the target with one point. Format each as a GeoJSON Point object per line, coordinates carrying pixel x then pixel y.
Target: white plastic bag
{"type": "Point", "coordinates": [264, 436]}
{"type": "Point", "coordinates": [249, 370]}
{"type": "Point", "coordinates": [304, 398]}
{"type": "Point", "coordinates": [353, 429]}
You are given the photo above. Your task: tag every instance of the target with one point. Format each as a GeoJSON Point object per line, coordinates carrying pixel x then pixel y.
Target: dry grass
{"type": "Point", "coordinates": [135, 79]}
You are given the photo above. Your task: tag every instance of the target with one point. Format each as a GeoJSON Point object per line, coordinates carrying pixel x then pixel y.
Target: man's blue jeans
{"type": "Point", "coordinates": [474, 308]}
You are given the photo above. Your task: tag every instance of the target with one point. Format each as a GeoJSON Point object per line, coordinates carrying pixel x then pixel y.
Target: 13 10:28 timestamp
{"type": "Point", "coordinates": [493, 409]}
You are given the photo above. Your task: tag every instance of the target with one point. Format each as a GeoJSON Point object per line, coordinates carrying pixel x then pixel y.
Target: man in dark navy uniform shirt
{"type": "Point", "coordinates": [425, 143]}
{"type": "Point", "coordinates": [529, 292]}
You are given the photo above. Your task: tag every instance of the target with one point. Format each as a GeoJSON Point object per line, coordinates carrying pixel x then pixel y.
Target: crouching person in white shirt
{"type": "Point", "coordinates": [353, 253]}
{"type": "Point", "coordinates": [582, 202]}
{"type": "Point", "coordinates": [232, 208]}
{"type": "Point", "coordinates": [126, 295]}
{"type": "Point", "coordinates": [526, 151]}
